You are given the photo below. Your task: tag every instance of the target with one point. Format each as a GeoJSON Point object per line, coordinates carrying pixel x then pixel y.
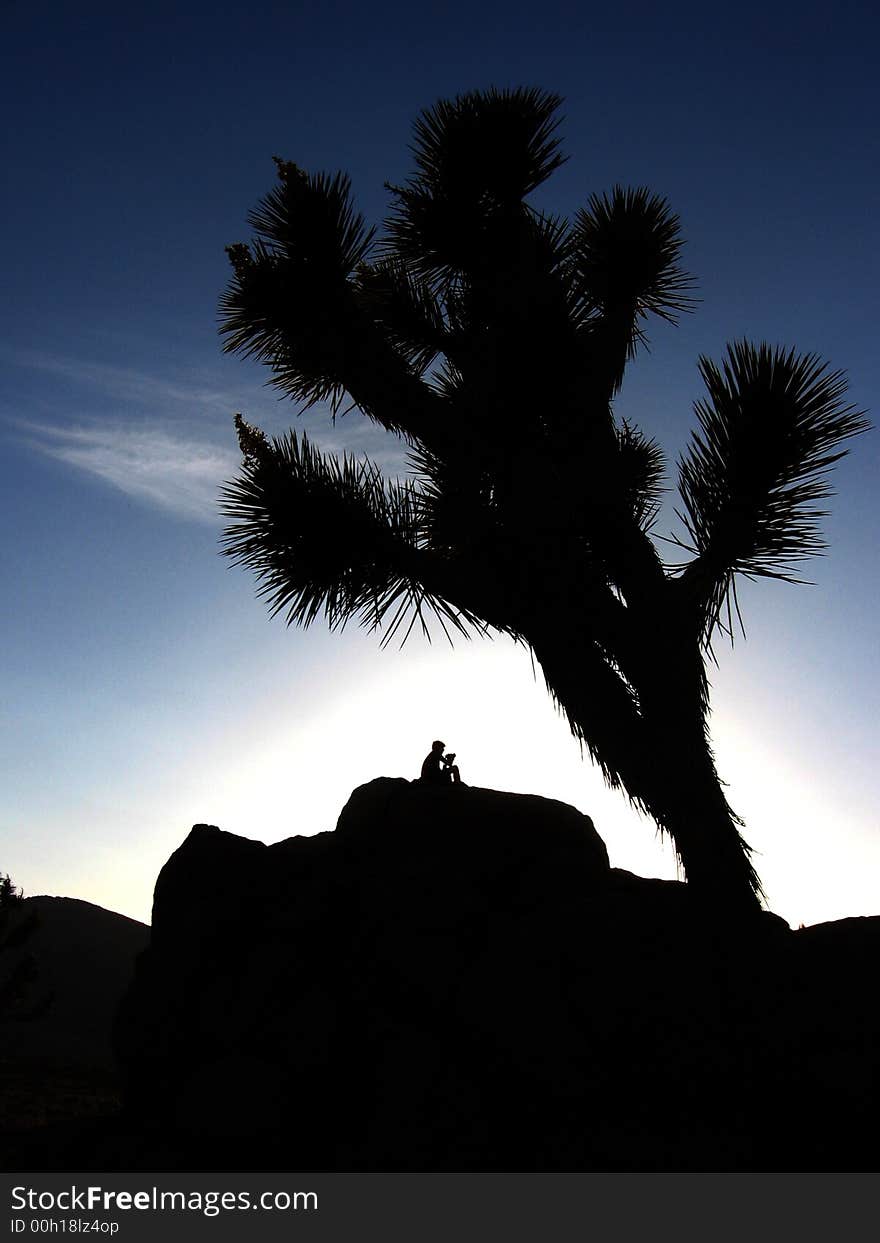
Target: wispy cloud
{"type": "Point", "coordinates": [191, 393]}
{"type": "Point", "coordinates": [357, 437]}
{"type": "Point", "coordinates": [176, 460]}
{"type": "Point", "coordinates": [173, 470]}
{"type": "Point", "coordinates": [153, 464]}
{"type": "Point", "coordinates": [190, 390]}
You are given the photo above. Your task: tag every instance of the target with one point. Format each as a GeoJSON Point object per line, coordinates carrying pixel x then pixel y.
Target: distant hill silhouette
{"type": "Point", "coordinates": [455, 979]}
{"type": "Point", "coordinates": [57, 1069]}
{"type": "Point", "coordinates": [85, 960]}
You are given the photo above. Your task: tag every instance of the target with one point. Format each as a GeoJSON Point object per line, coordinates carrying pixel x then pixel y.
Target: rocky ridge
{"type": "Point", "coordinates": [455, 979]}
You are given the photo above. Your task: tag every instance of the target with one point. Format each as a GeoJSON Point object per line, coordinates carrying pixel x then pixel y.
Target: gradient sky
{"type": "Point", "coordinates": [145, 689]}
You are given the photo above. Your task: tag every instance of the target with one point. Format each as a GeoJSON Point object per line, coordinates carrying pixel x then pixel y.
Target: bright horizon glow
{"type": "Point", "coordinates": [282, 777]}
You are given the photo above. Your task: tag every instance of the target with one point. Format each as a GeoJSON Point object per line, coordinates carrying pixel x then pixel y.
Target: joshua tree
{"type": "Point", "coordinates": [492, 339]}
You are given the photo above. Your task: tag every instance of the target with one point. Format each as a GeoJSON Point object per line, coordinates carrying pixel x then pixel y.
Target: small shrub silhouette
{"type": "Point", "coordinates": [16, 982]}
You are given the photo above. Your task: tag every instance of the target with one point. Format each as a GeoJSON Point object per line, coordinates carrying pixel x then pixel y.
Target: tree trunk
{"type": "Point", "coordinates": [705, 830]}
{"type": "Point", "coordinates": [663, 762]}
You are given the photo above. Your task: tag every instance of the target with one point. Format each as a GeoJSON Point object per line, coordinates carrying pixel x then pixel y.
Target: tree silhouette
{"type": "Point", "coordinates": [492, 339]}
{"type": "Point", "coordinates": [15, 981]}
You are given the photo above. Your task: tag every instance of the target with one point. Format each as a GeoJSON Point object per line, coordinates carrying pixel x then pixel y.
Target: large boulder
{"type": "Point", "coordinates": [456, 979]}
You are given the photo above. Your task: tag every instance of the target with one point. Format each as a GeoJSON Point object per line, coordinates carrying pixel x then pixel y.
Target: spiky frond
{"type": "Point", "coordinates": [296, 304]}
{"type": "Point", "coordinates": [289, 303]}
{"type": "Point", "coordinates": [329, 536]}
{"type": "Point", "coordinates": [625, 250]}
{"type": "Point", "coordinates": [310, 219]}
{"type": "Point", "coordinates": [494, 144]}
{"type": "Point", "coordinates": [642, 473]}
{"type": "Point", "coordinates": [412, 318]}
{"type": "Point", "coordinates": [770, 430]}
{"type": "Point", "coordinates": [477, 157]}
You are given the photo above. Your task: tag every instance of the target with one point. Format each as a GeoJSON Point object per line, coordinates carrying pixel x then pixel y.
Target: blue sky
{"type": "Point", "coordinates": [145, 688]}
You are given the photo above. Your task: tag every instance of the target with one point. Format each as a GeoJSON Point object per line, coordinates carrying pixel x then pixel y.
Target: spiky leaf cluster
{"type": "Point", "coordinates": [770, 429]}
{"type": "Point", "coordinates": [492, 337]}
{"type": "Point", "coordinates": [328, 536]}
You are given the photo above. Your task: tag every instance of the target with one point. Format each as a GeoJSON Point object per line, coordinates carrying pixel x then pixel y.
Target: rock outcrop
{"type": "Point", "coordinates": [455, 979]}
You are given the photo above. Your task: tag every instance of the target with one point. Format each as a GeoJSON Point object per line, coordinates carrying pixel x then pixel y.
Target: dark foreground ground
{"type": "Point", "coordinates": [456, 980]}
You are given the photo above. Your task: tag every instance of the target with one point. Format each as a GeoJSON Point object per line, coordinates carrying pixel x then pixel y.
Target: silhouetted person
{"type": "Point", "coordinates": [440, 769]}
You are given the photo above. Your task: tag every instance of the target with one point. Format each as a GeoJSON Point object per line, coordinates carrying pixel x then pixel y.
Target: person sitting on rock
{"type": "Point", "coordinates": [440, 769]}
